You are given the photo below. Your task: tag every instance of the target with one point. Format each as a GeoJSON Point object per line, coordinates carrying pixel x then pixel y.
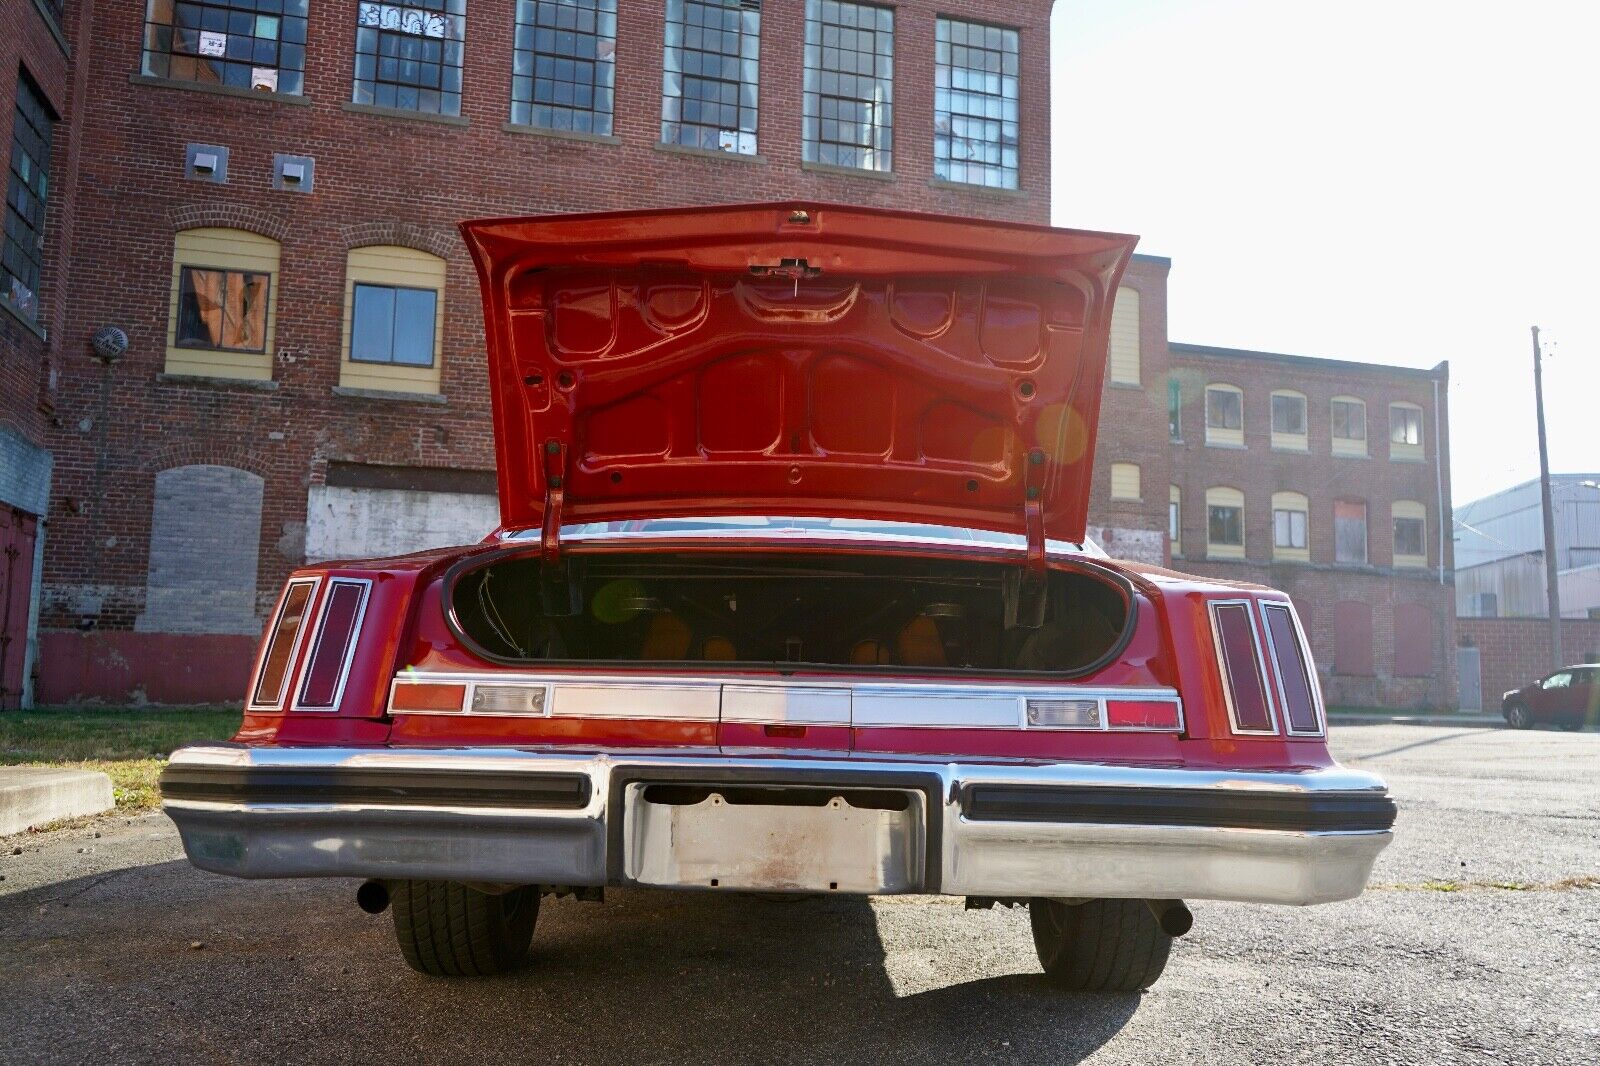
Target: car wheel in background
{"type": "Point", "coordinates": [1571, 725]}
{"type": "Point", "coordinates": [1517, 717]}
{"type": "Point", "coordinates": [1100, 945]}
{"type": "Point", "coordinates": [446, 929]}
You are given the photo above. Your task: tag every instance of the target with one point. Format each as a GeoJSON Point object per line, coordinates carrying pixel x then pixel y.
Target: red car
{"type": "Point", "coordinates": [1567, 698]}
{"type": "Point", "coordinates": [650, 676]}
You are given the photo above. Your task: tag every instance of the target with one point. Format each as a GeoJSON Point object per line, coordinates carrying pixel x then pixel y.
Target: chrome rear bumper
{"type": "Point", "coordinates": [712, 820]}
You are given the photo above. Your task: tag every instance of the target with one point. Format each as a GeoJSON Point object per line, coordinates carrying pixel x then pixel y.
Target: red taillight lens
{"type": "Point", "coordinates": [334, 644]}
{"type": "Point", "coordinates": [427, 696]}
{"type": "Point", "coordinates": [1294, 670]}
{"type": "Point", "coordinates": [1241, 668]}
{"type": "Point", "coordinates": [287, 629]}
{"type": "Point", "coordinates": [1141, 714]}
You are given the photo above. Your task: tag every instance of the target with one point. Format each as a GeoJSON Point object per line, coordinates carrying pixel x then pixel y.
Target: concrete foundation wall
{"type": "Point", "coordinates": [360, 523]}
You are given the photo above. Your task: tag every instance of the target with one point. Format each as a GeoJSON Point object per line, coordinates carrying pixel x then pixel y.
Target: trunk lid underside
{"type": "Point", "coordinates": [796, 359]}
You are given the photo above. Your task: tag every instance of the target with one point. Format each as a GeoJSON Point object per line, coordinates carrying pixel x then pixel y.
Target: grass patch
{"type": "Point", "coordinates": [129, 745]}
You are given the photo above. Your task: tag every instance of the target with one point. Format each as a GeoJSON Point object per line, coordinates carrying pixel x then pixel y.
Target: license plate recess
{"type": "Point", "coordinates": [788, 838]}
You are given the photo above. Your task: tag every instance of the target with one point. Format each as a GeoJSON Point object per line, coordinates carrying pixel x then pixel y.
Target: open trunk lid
{"type": "Point", "coordinates": [795, 358]}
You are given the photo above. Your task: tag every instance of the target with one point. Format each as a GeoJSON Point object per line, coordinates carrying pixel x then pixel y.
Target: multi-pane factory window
{"type": "Point", "coordinates": [849, 85]}
{"type": "Point", "coordinates": [564, 68]}
{"type": "Point", "coordinates": [975, 104]}
{"type": "Point", "coordinates": [246, 44]}
{"type": "Point", "coordinates": [409, 57]}
{"type": "Point", "coordinates": [711, 72]}
{"type": "Point", "coordinates": [26, 193]}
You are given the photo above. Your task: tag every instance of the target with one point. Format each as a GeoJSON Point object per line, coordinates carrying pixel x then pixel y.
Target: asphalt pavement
{"type": "Point", "coordinates": [1476, 943]}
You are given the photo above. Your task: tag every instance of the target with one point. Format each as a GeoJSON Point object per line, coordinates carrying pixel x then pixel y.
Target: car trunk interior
{"type": "Point", "coordinates": [835, 610]}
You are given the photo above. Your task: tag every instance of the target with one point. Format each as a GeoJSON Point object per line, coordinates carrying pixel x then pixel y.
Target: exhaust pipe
{"type": "Point", "coordinates": [1172, 915]}
{"type": "Point", "coordinates": [373, 897]}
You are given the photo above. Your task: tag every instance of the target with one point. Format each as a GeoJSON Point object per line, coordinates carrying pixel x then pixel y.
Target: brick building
{"type": "Point", "coordinates": [273, 194]}
{"type": "Point", "coordinates": [1326, 479]}
{"type": "Point", "coordinates": [35, 93]}
{"type": "Point", "coordinates": [268, 212]}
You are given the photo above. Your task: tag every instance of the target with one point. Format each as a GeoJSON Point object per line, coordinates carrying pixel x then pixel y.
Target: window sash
{"type": "Point", "coordinates": [1172, 521]}
{"type": "Point", "coordinates": [1349, 532]}
{"type": "Point", "coordinates": [27, 191]}
{"type": "Point", "coordinates": [1410, 537]}
{"type": "Point", "coordinates": [710, 84]}
{"type": "Point", "coordinates": [1288, 528]}
{"type": "Point", "coordinates": [977, 103]}
{"type": "Point", "coordinates": [223, 310]}
{"type": "Point", "coordinates": [1224, 409]}
{"type": "Point", "coordinates": [1405, 425]}
{"type": "Point", "coordinates": [1289, 415]}
{"type": "Point", "coordinates": [848, 93]}
{"type": "Point", "coordinates": [228, 42]}
{"type": "Point", "coordinates": [563, 74]}
{"type": "Point", "coordinates": [1349, 420]}
{"type": "Point", "coordinates": [1225, 525]}
{"type": "Point", "coordinates": [1174, 410]}
{"type": "Point", "coordinates": [386, 325]}
{"type": "Point", "coordinates": [409, 57]}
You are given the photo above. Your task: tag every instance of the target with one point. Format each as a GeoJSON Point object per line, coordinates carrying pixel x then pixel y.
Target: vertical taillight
{"type": "Point", "coordinates": [334, 645]}
{"type": "Point", "coordinates": [1239, 654]}
{"type": "Point", "coordinates": [283, 642]}
{"type": "Point", "coordinates": [1291, 662]}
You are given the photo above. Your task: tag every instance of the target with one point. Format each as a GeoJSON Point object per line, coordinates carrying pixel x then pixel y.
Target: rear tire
{"type": "Point", "coordinates": [1517, 717]}
{"type": "Point", "coordinates": [1103, 945]}
{"type": "Point", "coordinates": [1571, 726]}
{"type": "Point", "coordinates": [446, 929]}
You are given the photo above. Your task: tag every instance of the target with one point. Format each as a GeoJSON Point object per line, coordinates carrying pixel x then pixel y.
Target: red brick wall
{"type": "Point", "coordinates": [391, 180]}
{"type": "Point", "coordinates": [1133, 420]}
{"type": "Point", "coordinates": [1515, 651]}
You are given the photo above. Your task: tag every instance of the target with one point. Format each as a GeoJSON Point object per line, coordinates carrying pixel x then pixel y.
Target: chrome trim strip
{"type": "Point", "coordinates": [365, 585]}
{"type": "Point", "coordinates": [251, 704]}
{"type": "Point", "coordinates": [1227, 678]}
{"type": "Point", "coordinates": [1307, 665]}
{"type": "Point", "coordinates": [862, 704]}
{"type": "Point", "coordinates": [801, 705]}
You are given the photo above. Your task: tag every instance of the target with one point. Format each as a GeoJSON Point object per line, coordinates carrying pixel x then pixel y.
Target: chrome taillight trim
{"type": "Point", "coordinates": [1258, 662]}
{"type": "Point", "coordinates": [251, 703]}
{"type": "Point", "coordinates": [365, 585]}
{"type": "Point", "coordinates": [1313, 683]}
{"type": "Point", "coordinates": [701, 699]}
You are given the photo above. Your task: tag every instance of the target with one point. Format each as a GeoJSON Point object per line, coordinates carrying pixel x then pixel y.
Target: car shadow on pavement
{"type": "Point", "coordinates": [1420, 744]}
{"type": "Point", "coordinates": [291, 970]}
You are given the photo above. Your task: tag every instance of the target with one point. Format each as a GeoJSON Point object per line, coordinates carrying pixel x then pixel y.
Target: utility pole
{"type": "Point", "coordinates": [1551, 583]}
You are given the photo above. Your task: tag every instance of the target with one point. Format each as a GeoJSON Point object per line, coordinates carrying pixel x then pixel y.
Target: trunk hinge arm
{"type": "Point", "coordinates": [1033, 584]}
{"type": "Point", "coordinates": [555, 495]}
{"type": "Point", "coordinates": [560, 596]}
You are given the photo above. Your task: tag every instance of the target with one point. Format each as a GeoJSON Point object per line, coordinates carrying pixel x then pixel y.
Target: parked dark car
{"type": "Point", "coordinates": [1567, 698]}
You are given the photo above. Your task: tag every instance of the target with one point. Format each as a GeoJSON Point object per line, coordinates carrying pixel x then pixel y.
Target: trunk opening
{"type": "Point", "coordinates": [835, 611]}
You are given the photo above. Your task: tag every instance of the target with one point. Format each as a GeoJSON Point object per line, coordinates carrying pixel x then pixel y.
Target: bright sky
{"type": "Point", "coordinates": [1392, 181]}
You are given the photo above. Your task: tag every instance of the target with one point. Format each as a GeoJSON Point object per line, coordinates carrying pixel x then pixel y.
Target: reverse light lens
{"type": "Point", "coordinates": [1237, 638]}
{"type": "Point", "coordinates": [1294, 673]}
{"type": "Point", "coordinates": [428, 696]}
{"type": "Point", "coordinates": [1142, 714]}
{"type": "Point", "coordinates": [508, 699]}
{"type": "Point", "coordinates": [1064, 714]}
{"type": "Point", "coordinates": [285, 639]}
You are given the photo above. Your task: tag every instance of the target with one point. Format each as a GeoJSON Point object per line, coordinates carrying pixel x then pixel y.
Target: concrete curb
{"type": "Point", "coordinates": [38, 795]}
